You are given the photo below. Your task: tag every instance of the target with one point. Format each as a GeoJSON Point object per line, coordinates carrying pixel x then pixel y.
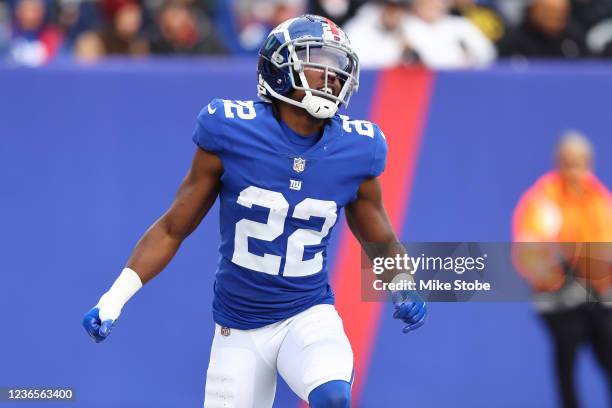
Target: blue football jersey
{"type": "Point", "coordinates": [278, 205]}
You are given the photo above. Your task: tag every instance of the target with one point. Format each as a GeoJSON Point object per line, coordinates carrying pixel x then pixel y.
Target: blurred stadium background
{"type": "Point", "coordinates": [94, 142]}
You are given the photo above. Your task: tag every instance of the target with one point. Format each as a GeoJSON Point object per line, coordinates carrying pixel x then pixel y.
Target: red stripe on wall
{"type": "Point", "coordinates": [400, 108]}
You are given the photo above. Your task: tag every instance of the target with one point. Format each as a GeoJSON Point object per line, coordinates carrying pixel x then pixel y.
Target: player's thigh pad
{"type": "Point", "coordinates": [315, 351]}
{"type": "Point", "coordinates": [240, 374]}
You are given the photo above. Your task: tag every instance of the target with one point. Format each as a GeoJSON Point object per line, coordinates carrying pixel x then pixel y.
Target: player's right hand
{"type": "Point", "coordinates": [100, 320]}
{"type": "Point", "coordinates": [97, 328]}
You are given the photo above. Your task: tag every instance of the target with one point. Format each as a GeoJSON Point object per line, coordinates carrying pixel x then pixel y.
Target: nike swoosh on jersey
{"type": "Point", "coordinates": [211, 110]}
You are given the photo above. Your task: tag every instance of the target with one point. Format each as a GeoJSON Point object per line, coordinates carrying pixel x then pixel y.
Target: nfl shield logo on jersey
{"type": "Point", "coordinates": [299, 164]}
{"type": "Point", "coordinates": [225, 331]}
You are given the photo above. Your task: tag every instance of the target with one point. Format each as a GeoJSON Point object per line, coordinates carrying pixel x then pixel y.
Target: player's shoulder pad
{"type": "Point", "coordinates": [220, 111]}
{"type": "Point", "coordinates": [215, 119]}
{"type": "Point", "coordinates": [372, 138]}
{"type": "Point", "coordinates": [360, 127]}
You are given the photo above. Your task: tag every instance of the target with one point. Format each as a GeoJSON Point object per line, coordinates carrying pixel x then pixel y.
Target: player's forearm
{"type": "Point", "coordinates": [371, 226]}
{"type": "Point", "coordinates": [392, 249]}
{"type": "Point", "coordinates": [154, 251]}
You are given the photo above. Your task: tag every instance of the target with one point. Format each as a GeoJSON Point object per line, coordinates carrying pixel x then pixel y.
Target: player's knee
{"type": "Point", "coordinates": [332, 394]}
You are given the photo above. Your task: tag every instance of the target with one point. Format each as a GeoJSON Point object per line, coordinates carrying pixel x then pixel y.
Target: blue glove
{"type": "Point", "coordinates": [410, 309]}
{"type": "Point", "coordinates": [97, 329]}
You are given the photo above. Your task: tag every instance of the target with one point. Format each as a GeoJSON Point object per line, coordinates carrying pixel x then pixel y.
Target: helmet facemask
{"type": "Point", "coordinates": [330, 58]}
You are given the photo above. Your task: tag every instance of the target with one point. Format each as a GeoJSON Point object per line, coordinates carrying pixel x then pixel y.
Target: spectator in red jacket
{"type": "Point", "coordinates": [123, 34]}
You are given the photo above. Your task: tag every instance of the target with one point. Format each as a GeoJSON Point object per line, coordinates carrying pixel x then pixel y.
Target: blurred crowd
{"type": "Point", "coordinates": [436, 33]}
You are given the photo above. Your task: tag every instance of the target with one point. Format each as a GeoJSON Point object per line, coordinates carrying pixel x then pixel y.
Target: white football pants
{"type": "Point", "coordinates": [307, 350]}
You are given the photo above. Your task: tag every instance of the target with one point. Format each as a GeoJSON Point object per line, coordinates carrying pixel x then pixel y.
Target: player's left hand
{"type": "Point", "coordinates": [410, 309]}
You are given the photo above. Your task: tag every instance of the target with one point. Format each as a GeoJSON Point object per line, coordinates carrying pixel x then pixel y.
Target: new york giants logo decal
{"type": "Point", "coordinates": [295, 184]}
{"type": "Point", "coordinates": [331, 31]}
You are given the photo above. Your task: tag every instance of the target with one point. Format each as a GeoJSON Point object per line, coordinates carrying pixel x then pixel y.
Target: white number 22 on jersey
{"type": "Point", "coordinates": [295, 265]}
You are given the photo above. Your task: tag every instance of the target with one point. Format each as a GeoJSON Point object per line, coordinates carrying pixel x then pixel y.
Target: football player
{"type": "Point", "coordinates": [283, 168]}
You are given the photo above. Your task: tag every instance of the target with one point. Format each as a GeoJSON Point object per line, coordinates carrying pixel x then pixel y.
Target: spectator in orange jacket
{"type": "Point", "coordinates": [572, 279]}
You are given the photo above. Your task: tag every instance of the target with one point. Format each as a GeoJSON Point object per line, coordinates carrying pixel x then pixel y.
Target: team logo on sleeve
{"type": "Point", "coordinates": [299, 164]}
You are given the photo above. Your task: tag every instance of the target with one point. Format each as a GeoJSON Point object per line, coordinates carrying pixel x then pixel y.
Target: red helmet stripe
{"type": "Point", "coordinates": [334, 29]}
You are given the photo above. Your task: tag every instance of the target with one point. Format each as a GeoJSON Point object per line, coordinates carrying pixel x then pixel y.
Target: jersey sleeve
{"type": "Point", "coordinates": [379, 159]}
{"type": "Point", "coordinates": [207, 131]}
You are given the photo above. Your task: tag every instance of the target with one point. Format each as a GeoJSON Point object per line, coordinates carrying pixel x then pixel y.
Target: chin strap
{"type": "Point", "coordinates": [317, 106]}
